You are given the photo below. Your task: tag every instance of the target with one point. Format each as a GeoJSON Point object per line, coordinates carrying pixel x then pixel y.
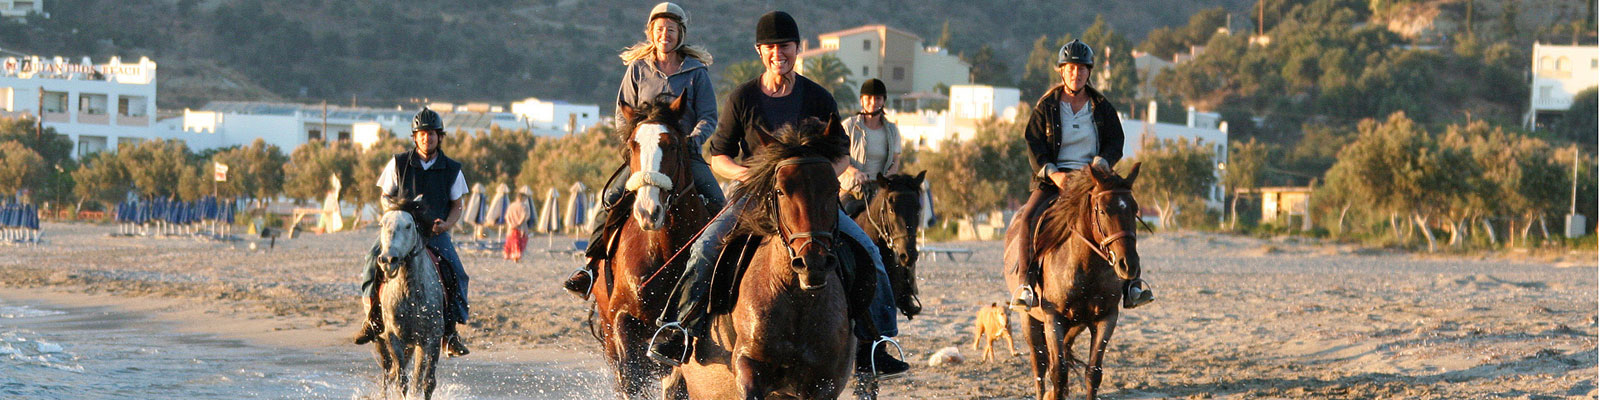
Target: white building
{"type": "Point", "coordinates": [1205, 129]}
{"type": "Point", "coordinates": [554, 118]}
{"type": "Point", "coordinates": [18, 9]}
{"type": "Point", "coordinates": [970, 106]}
{"type": "Point", "coordinates": [898, 58]}
{"type": "Point", "coordinates": [287, 125]}
{"type": "Point", "coordinates": [1559, 73]}
{"type": "Point", "coordinates": [1147, 67]}
{"type": "Point", "coordinates": [97, 106]}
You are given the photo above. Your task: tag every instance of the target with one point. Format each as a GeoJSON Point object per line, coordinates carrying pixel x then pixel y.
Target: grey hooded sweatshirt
{"type": "Point", "coordinates": [643, 82]}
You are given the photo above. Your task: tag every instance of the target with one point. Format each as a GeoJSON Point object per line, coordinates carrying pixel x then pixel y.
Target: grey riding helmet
{"type": "Point", "coordinates": [673, 12]}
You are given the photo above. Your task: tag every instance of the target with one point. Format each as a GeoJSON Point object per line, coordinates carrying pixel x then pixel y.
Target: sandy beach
{"type": "Point", "coordinates": [1235, 317]}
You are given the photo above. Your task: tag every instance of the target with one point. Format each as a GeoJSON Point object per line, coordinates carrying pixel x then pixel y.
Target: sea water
{"type": "Point", "coordinates": [51, 352]}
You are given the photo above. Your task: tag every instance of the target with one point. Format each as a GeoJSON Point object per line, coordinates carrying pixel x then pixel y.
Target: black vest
{"type": "Point", "coordinates": [433, 183]}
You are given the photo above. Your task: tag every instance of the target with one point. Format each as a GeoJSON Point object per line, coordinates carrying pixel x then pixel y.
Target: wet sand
{"type": "Point", "coordinates": [1235, 317]}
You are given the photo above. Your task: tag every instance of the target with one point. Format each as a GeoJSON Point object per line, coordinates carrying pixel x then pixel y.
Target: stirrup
{"type": "Point", "coordinates": [662, 358]}
{"type": "Point", "coordinates": [873, 356]}
{"type": "Point", "coordinates": [1025, 298]}
{"type": "Point", "coordinates": [582, 294]}
{"type": "Point", "coordinates": [1145, 295]}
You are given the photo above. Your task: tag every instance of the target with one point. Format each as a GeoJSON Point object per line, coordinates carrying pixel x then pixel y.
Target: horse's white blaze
{"type": "Point", "coordinates": [1122, 204]}
{"type": "Point", "coordinates": [647, 205]}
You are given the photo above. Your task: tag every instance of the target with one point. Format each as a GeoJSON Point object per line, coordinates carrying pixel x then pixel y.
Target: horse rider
{"type": "Point", "coordinates": [777, 98]}
{"type": "Point", "coordinates": [660, 66]}
{"type": "Point", "coordinates": [874, 149]}
{"type": "Point", "coordinates": [425, 171]}
{"type": "Point", "coordinates": [1070, 125]}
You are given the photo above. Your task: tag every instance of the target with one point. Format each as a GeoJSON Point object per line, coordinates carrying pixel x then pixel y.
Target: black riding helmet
{"type": "Point", "coordinates": [873, 87]}
{"type": "Point", "coordinates": [1075, 52]}
{"type": "Point", "coordinates": [776, 27]}
{"type": "Point", "coordinates": [427, 120]}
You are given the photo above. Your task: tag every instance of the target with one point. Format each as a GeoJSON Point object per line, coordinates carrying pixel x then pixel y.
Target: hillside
{"type": "Point", "coordinates": [386, 52]}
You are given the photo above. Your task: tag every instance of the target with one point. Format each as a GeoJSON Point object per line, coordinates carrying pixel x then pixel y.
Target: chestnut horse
{"type": "Point", "coordinates": [788, 335]}
{"type": "Point", "coordinates": [1083, 238]}
{"type": "Point", "coordinates": [666, 214]}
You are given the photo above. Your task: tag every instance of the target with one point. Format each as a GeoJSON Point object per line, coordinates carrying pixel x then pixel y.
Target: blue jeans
{"type": "Point", "coordinates": [452, 274]}
{"type": "Point", "coordinates": [696, 279]}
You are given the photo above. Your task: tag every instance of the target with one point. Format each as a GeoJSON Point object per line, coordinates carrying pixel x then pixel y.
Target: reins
{"type": "Point", "coordinates": [783, 234]}
{"type": "Point", "coordinates": [1106, 240]}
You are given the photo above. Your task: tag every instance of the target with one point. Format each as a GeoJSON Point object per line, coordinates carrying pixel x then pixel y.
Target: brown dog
{"type": "Point", "coordinates": [994, 321]}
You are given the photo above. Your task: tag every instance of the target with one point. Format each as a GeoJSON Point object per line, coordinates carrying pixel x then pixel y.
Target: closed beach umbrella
{"type": "Point", "coordinates": [927, 205]}
{"type": "Point", "coordinates": [550, 212]}
{"type": "Point", "coordinates": [525, 197]}
{"type": "Point", "coordinates": [473, 214]}
{"type": "Point", "coordinates": [494, 213]}
{"type": "Point", "coordinates": [577, 214]}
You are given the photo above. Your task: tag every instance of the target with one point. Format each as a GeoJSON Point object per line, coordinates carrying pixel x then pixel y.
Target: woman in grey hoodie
{"type": "Point", "coordinates": [661, 66]}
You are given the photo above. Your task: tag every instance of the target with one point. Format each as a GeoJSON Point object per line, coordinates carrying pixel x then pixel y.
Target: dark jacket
{"type": "Point", "coordinates": [1043, 132]}
{"type": "Point", "coordinates": [742, 121]}
{"type": "Point", "coordinates": [433, 183]}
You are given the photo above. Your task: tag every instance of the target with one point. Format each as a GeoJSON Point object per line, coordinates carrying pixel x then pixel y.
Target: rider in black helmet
{"type": "Point", "coordinates": [425, 171]}
{"type": "Point", "coordinates": [1070, 126]}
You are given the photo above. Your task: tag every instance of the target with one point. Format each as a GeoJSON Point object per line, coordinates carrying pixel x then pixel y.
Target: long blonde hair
{"type": "Point", "coordinates": [644, 50]}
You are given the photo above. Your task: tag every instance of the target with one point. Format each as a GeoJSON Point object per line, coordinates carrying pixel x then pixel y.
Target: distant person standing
{"type": "Point", "coordinates": [660, 66]}
{"type": "Point", "coordinates": [1070, 126]}
{"type": "Point", "coordinates": [874, 149]}
{"type": "Point", "coordinates": [517, 216]}
{"type": "Point", "coordinates": [424, 171]}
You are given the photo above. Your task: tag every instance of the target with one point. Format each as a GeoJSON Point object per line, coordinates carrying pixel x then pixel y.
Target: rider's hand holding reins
{"type": "Point", "coordinates": [1060, 179]}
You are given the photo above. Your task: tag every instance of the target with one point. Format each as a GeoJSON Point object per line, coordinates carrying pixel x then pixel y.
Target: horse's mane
{"type": "Point", "coordinates": [418, 211]}
{"type": "Point", "coordinates": [804, 139]}
{"type": "Point", "coordinates": [1071, 207]}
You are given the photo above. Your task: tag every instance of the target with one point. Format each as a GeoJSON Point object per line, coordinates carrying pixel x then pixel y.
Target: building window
{"type": "Point", "coordinates": [131, 106]}
{"type": "Point", "coordinates": [93, 104]}
{"type": "Point", "coordinates": [1544, 93]}
{"type": "Point", "coordinates": [55, 102]}
{"type": "Point", "coordinates": [313, 135]}
{"type": "Point", "coordinates": [866, 44]}
{"type": "Point", "coordinates": [1561, 64]}
{"type": "Point", "coordinates": [899, 73]}
{"type": "Point", "coordinates": [344, 136]}
{"type": "Point", "coordinates": [1594, 63]}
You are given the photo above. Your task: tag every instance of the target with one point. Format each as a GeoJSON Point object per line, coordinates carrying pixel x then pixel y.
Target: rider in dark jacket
{"type": "Point", "coordinates": [1070, 126]}
{"type": "Point", "coordinates": [424, 171]}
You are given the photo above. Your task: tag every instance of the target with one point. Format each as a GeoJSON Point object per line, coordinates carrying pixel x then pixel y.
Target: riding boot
{"type": "Point", "coordinates": [598, 250]}
{"type": "Point", "coordinates": [1135, 293]}
{"type": "Point", "coordinates": [869, 360]}
{"type": "Point", "coordinates": [452, 341]}
{"type": "Point", "coordinates": [581, 280]}
{"type": "Point", "coordinates": [373, 325]}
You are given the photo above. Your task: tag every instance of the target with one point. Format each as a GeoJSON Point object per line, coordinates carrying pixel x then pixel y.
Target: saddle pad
{"type": "Point", "coordinates": [729, 270]}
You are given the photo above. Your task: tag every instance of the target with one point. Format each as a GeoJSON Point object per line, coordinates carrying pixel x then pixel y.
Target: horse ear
{"type": "Point", "coordinates": [417, 199]}
{"type": "Point", "coordinates": [882, 180]}
{"type": "Point", "coordinates": [679, 102]}
{"type": "Point", "coordinates": [921, 175]}
{"type": "Point", "coordinates": [764, 138]}
{"type": "Point", "coordinates": [625, 111]}
{"type": "Point", "coordinates": [832, 128]}
{"type": "Point", "coordinates": [1133, 173]}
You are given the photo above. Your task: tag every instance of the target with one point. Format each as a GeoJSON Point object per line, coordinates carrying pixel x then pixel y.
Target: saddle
{"type": "Point", "coordinates": [607, 235]}
{"type": "Point", "coordinates": [735, 259]}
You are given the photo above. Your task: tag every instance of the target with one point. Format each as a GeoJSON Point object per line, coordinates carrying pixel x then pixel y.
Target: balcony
{"type": "Point", "coordinates": [96, 119]}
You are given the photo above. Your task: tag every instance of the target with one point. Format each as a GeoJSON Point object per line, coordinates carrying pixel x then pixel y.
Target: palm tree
{"type": "Point", "coordinates": [737, 74]}
{"type": "Point", "coordinates": [833, 75]}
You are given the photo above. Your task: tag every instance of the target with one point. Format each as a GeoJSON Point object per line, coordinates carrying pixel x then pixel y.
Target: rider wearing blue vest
{"type": "Point", "coordinates": [424, 171]}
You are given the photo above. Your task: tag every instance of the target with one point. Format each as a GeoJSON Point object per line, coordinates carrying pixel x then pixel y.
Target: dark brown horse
{"type": "Point", "coordinates": [1082, 239]}
{"type": "Point", "coordinates": [892, 219]}
{"type": "Point", "coordinates": [788, 335]}
{"type": "Point", "coordinates": [666, 213]}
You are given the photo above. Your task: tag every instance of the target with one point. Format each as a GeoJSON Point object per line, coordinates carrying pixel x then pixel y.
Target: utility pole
{"type": "Point", "coordinates": [1261, 17]}
{"type": "Point", "coordinates": [325, 122]}
{"type": "Point", "coordinates": [38, 126]}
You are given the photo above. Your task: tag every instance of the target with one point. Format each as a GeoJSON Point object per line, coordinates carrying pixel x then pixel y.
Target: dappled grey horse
{"type": "Point", "coordinates": [411, 298]}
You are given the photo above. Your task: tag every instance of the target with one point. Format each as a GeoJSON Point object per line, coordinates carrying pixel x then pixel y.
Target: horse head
{"type": "Point", "coordinates": [401, 233]}
{"type": "Point", "coordinates": [792, 195]}
{"type": "Point", "coordinates": [895, 214]}
{"type": "Point", "coordinates": [1113, 223]}
{"type": "Point", "coordinates": [658, 153]}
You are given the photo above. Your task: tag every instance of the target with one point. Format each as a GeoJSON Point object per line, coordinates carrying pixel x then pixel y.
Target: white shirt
{"type": "Point", "coordinates": [391, 185]}
{"type": "Point", "coordinates": [1080, 142]}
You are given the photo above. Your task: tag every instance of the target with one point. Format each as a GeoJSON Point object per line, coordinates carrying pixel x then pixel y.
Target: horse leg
{"type": "Point", "coordinates": [633, 365]}
{"type": "Point", "coordinates": [1036, 354]}
{"type": "Point", "coordinates": [427, 357]}
{"type": "Point", "coordinates": [748, 373]}
{"type": "Point", "coordinates": [1067, 360]}
{"type": "Point", "coordinates": [1097, 351]}
{"type": "Point", "coordinates": [1055, 343]}
{"type": "Point", "coordinates": [673, 387]}
{"type": "Point", "coordinates": [397, 374]}
{"type": "Point", "coordinates": [380, 347]}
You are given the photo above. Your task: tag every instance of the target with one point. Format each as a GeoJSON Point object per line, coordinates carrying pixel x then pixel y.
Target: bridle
{"type": "Point", "coordinates": [676, 186]}
{"type": "Point", "coordinates": [1102, 247]}
{"type": "Point", "coordinates": [879, 216]}
{"type": "Point", "coordinates": [826, 236]}
{"type": "Point", "coordinates": [412, 254]}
